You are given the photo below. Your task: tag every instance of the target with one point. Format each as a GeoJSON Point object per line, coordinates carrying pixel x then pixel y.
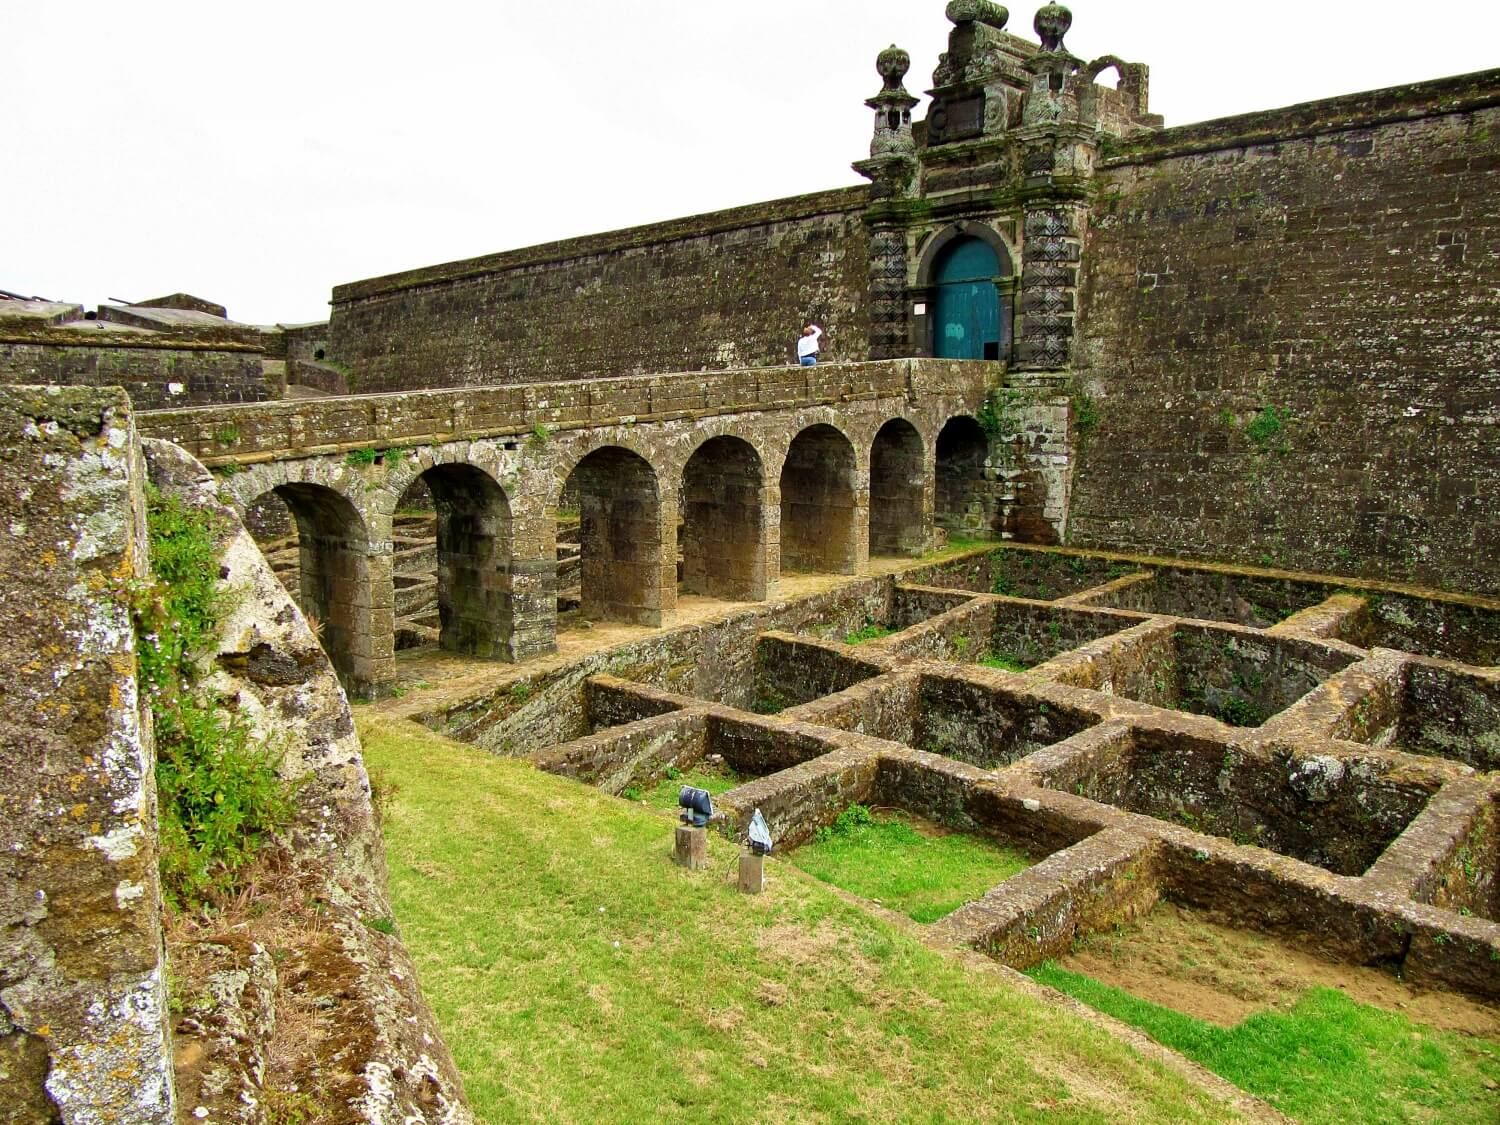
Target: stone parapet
{"type": "Point", "coordinates": [83, 1004]}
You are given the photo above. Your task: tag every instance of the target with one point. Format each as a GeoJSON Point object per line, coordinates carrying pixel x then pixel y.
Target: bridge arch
{"type": "Point", "coordinates": [625, 572]}
{"type": "Point", "coordinates": [820, 502]}
{"type": "Point", "coordinates": [724, 520]}
{"type": "Point", "coordinates": [963, 493]}
{"type": "Point", "coordinates": [898, 479]}
{"type": "Point", "coordinates": [334, 588]}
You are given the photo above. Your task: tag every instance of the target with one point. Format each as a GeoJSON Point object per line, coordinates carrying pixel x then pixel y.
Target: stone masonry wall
{"type": "Point", "coordinates": [728, 289]}
{"type": "Point", "coordinates": [1289, 336]}
{"type": "Point", "coordinates": [155, 377]}
{"type": "Point", "coordinates": [83, 999]}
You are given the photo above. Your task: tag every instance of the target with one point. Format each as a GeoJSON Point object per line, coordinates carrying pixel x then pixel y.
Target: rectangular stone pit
{"type": "Point", "coordinates": [1241, 677]}
{"type": "Point", "coordinates": [1422, 707]}
{"type": "Point", "coordinates": [1016, 572]}
{"type": "Point", "coordinates": [1210, 595]}
{"type": "Point", "coordinates": [1452, 629]}
{"type": "Point", "coordinates": [989, 726]}
{"type": "Point", "coordinates": [1339, 813]}
{"type": "Point", "coordinates": [791, 670]}
{"type": "Point", "coordinates": [959, 797]}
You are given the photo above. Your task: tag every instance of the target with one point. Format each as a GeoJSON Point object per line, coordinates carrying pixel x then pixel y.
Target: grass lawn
{"type": "Point", "coordinates": [579, 976]}
{"type": "Point", "coordinates": [1327, 1059]}
{"type": "Point", "coordinates": [882, 857]}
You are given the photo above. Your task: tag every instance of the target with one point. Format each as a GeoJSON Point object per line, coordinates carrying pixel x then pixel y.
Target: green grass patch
{"type": "Point", "coordinates": [663, 795]}
{"type": "Point", "coordinates": [1004, 661]}
{"type": "Point", "coordinates": [578, 975]}
{"type": "Point", "coordinates": [1327, 1059]}
{"type": "Point", "coordinates": [869, 632]}
{"type": "Point", "coordinates": [882, 857]}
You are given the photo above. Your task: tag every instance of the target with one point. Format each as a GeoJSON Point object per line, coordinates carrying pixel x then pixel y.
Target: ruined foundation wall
{"type": "Point", "coordinates": [728, 289]}
{"type": "Point", "coordinates": [1336, 264]}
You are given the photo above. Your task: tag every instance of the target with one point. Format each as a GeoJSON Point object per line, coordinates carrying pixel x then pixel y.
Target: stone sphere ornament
{"type": "Point", "coordinates": [892, 64]}
{"type": "Point", "coordinates": [1051, 24]}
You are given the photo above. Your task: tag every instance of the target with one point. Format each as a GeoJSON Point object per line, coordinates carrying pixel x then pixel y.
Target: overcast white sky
{"type": "Point", "coordinates": [259, 153]}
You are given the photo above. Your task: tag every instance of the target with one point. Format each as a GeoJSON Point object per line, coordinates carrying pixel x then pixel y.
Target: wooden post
{"type": "Point", "coordinates": [752, 873]}
{"type": "Point", "coordinates": [690, 848]}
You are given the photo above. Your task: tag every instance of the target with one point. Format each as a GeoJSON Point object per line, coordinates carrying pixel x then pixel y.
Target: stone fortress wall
{"type": "Point", "coordinates": [729, 289]}
{"type": "Point", "coordinates": [1246, 307]}
{"type": "Point", "coordinates": [1336, 264]}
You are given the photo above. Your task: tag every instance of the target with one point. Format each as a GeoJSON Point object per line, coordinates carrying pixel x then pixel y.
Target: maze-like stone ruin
{"type": "Point", "coordinates": [1244, 744]}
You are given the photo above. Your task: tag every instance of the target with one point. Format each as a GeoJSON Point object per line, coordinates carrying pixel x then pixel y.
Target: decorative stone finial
{"type": "Point", "coordinates": [1052, 23]}
{"type": "Point", "coordinates": [976, 11]}
{"type": "Point", "coordinates": [892, 64]}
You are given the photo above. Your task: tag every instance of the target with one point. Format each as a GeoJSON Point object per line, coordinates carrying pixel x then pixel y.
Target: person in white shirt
{"type": "Point", "coordinates": [807, 345]}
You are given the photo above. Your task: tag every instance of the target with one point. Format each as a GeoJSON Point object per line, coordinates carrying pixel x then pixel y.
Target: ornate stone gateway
{"type": "Point", "coordinates": [998, 173]}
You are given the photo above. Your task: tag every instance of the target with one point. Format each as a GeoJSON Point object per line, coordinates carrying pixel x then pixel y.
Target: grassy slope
{"type": "Point", "coordinates": [1328, 1059]}
{"type": "Point", "coordinates": [924, 877]}
{"type": "Point", "coordinates": [578, 975]}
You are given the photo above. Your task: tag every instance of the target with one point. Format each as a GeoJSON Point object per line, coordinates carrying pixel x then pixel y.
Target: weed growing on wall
{"type": "Point", "coordinates": [361, 458]}
{"type": "Point", "coordinates": [1268, 429]}
{"type": "Point", "coordinates": [220, 795]}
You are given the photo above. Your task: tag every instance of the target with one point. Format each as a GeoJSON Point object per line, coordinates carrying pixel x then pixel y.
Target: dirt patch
{"type": "Point", "coordinates": [1176, 958]}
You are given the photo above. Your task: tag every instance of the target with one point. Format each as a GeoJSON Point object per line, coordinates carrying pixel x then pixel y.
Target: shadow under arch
{"type": "Point", "coordinates": [619, 536]}
{"type": "Point", "coordinates": [724, 521]}
{"type": "Point", "coordinates": [898, 475]}
{"type": "Point", "coordinates": [474, 557]}
{"type": "Point", "coordinates": [818, 501]}
{"type": "Point", "coordinates": [333, 583]}
{"type": "Point", "coordinates": [964, 499]}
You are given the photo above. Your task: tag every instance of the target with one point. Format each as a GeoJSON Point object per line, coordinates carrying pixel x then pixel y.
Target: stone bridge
{"type": "Point", "coordinates": [743, 474]}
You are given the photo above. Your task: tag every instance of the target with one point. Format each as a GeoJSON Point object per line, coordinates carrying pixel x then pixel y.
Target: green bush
{"type": "Point", "coordinates": [218, 790]}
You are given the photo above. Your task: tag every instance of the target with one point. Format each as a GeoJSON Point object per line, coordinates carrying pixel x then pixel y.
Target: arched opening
{"type": "Point", "coordinates": [620, 564]}
{"type": "Point", "coordinates": [965, 502]}
{"type": "Point", "coordinates": [967, 317]}
{"type": "Point", "coordinates": [723, 521]}
{"type": "Point", "coordinates": [461, 582]}
{"type": "Point", "coordinates": [897, 476]}
{"type": "Point", "coordinates": [818, 503]}
{"type": "Point", "coordinates": [326, 571]}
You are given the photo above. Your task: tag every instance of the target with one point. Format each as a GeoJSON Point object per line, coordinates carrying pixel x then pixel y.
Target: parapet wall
{"type": "Point", "coordinates": [728, 289]}
{"type": "Point", "coordinates": [310, 427]}
{"type": "Point", "coordinates": [155, 376]}
{"type": "Point", "coordinates": [1289, 331]}
{"type": "Point", "coordinates": [83, 989]}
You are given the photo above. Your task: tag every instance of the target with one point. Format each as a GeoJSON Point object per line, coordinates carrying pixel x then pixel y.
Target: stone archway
{"type": "Point", "coordinates": [333, 586]}
{"type": "Point", "coordinates": [898, 475]}
{"type": "Point", "coordinates": [473, 543]}
{"type": "Point", "coordinates": [621, 571]}
{"type": "Point", "coordinates": [965, 499]}
{"type": "Point", "coordinates": [819, 496]}
{"type": "Point", "coordinates": [724, 521]}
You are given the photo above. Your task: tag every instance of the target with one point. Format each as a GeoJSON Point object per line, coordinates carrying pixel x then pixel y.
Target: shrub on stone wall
{"type": "Point", "coordinates": [218, 789]}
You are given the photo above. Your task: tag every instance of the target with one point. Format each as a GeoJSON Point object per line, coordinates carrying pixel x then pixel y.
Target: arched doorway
{"type": "Point", "coordinates": [897, 476]}
{"type": "Point", "coordinates": [723, 521]}
{"type": "Point", "coordinates": [620, 537]}
{"type": "Point", "coordinates": [818, 503]}
{"type": "Point", "coordinates": [967, 321]}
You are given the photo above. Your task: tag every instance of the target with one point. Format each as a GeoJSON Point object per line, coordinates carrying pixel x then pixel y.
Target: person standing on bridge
{"type": "Point", "coordinates": [807, 345]}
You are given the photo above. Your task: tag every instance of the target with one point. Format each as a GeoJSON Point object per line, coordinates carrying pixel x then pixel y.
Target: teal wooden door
{"type": "Point", "coordinates": [966, 313]}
